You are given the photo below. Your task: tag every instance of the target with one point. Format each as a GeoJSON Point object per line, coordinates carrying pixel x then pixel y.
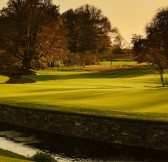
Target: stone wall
{"type": "Point", "coordinates": [150, 135]}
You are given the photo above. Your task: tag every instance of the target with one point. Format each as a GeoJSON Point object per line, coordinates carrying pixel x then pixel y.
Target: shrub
{"type": "Point", "coordinates": [43, 157]}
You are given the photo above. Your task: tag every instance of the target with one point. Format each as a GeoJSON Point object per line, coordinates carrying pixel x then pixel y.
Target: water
{"type": "Point", "coordinates": [67, 149]}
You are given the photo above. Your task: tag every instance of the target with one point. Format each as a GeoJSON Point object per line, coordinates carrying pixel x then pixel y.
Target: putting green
{"type": "Point", "coordinates": [130, 93]}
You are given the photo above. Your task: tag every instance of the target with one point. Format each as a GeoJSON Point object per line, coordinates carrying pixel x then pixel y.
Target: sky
{"type": "Point", "coordinates": [129, 16]}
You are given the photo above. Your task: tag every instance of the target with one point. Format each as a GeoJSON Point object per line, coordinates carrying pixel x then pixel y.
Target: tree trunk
{"type": "Point", "coordinates": [161, 78]}
{"type": "Point", "coordinates": [26, 64]}
{"type": "Point", "coordinates": [111, 59]}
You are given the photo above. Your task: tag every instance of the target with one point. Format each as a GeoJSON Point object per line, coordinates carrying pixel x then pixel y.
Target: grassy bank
{"type": "Point", "coordinates": [7, 156]}
{"type": "Point", "coordinates": [132, 93]}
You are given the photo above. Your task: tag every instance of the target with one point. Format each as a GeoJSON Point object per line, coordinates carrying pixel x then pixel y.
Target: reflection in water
{"type": "Point", "coordinates": [68, 149]}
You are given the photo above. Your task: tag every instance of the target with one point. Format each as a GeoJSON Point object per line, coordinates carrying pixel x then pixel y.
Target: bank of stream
{"type": "Point", "coordinates": [67, 149]}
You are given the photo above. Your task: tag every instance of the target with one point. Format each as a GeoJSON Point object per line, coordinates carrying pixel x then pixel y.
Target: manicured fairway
{"type": "Point", "coordinates": [133, 93]}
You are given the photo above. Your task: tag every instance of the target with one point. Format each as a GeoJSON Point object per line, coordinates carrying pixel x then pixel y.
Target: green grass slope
{"type": "Point", "coordinates": [7, 159]}
{"type": "Point", "coordinates": [8, 156]}
{"type": "Point", "coordinates": [132, 93]}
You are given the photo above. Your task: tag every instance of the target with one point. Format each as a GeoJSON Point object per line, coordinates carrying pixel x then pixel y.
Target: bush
{"type": "Point", "coordinates": [43, 157]}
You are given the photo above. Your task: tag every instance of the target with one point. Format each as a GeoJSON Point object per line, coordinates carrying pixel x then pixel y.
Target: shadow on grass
{"type": "Point", "coordinates": [118, 73]}
{"type": "Point", "coordinates": [159, 86]}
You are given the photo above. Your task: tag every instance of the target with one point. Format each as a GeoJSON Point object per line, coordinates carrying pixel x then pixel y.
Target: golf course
{"type": "Point", "coordinates": [132, 92]}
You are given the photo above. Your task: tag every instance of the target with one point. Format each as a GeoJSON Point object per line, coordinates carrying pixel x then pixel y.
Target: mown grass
{"type": "Point", "coordinates": [119, 62]}
{"type": "Point", "coordinates": [7, 156]}
{"type": "Point", "coordinates": [132, 93]}
{"type": "Point", "coordinates": [3, 79]}
{"type": "Point", "coordinates": [7, 159]}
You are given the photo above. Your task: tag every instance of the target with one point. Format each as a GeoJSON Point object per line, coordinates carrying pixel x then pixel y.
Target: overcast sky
{"type": "Point", "coordinates": [129, 16]}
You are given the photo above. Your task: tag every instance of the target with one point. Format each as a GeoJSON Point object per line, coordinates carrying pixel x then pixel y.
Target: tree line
{"type": "Point", "coordinates": [33, 34]}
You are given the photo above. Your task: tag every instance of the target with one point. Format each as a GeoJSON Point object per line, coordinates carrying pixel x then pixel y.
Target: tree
{"type": "Point", "coordinates": [8, 62]}
{"type": "Point", "coordinates": [72, 23]}
{"type": "Point", "coordinates": [154, 48]}
{"type": "Point", "coordinates": [118, 43]}
{"type": "Point", "coordinates": [29, 29]}
{"type": "Point", "coordinates": [157, 31]}
{"type": "Point", "coordinates": [95, 29]}
{"type": "Point", "coordinates": [158, 61]}
{"type": "Point", "coordinates": [89, 30]}
{"type": "Point", "coordinates": [139, 48]}
{"type": "Point", "coordinates": [155, 57]}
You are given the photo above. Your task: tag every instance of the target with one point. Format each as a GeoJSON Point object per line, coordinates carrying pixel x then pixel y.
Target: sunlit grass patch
{"type": "Point", "coordinates": [3, 79]}
{"type": "Point", "coordinates": [119, 62]}
{"type": "Point", "coordinates": [133, 93]}
{"type": "Point", "coordinates": [8, 156]}
{"type": "Point", "coordinates": [7, 159]}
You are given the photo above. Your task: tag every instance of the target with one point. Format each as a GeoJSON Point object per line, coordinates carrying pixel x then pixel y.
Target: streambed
{"type": "Point", "coordinates": [67, 149]}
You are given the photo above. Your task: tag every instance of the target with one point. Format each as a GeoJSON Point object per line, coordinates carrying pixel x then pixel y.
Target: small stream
{"type": "Point", "coordinates": [67, 149]}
